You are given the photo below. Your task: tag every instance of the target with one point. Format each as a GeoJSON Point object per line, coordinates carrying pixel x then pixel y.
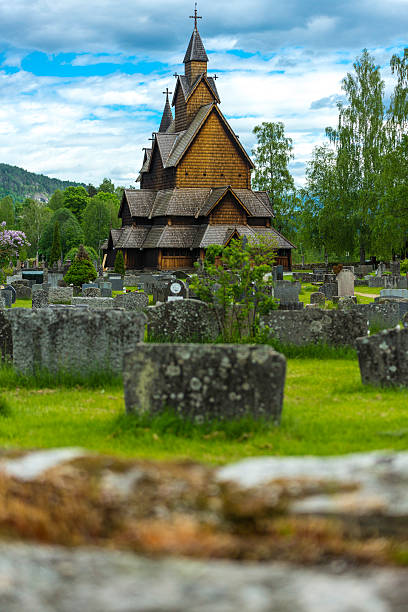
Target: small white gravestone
{"type": "Point", "coordinates": [176, 290]}
{"type": "Point", "coordinates": [345, 282]}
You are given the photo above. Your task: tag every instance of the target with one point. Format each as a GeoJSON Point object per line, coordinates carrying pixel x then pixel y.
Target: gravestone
{"type": "Point", "coordinates": [287, 292]}
{"type": "Point", "coordinates": [383, 358]}
{"type": "Point", "coordinates": [395, 268]}
{"type": "Point", "coordinates": [381, 269]}
{"type": "Point", "coordinates": [395, 282]}
{"type": "Point", "coordinates": [174, 290]}
{"type": "Point", "coordinates": [106, 289]}
{"type": "Point", "coordinates": [116, 281]}
{"type": "Point", "coordinates": [34, 275]}
{"type": "Point", "coordinates": [60, 295]}
{"type": "Point", "coordinates": [89, 285]}
{"type": "Point", "coordinates": [94, 302]}
{"type": "Point", "coordinates": [317, 298]}
{"type": "Point", "coordinates": [94, 292]}
{"type": "Point", "coordinates": [345, 283]}
{"type": "Point", "coordinates": [376, 281]}
{"type": "Point", "coordinates": [345, 302]}
{"type": "Point", "coordinates": [6, 340]}
{"type": "Point", "coordinates": [379, 315]}
{"type": "Point", "coordinates": [74, 340]}
{"type": "Point", "coordinates": [182, 321]}
{"type": "Point", "coordinates": [205, 381]}
{"type": "Point", "coordinates": [23, 292]}
{"type": "Point", "coordinates": [315, 326]}
{"type": "Point", "coordinates": [330, 290]}
{"type": "Point", "coordinates": [40, 298]}
{"type": "Point", "coordinates": [132, 301]}
{"type": "Point", "coordinates": [397, 293]}
{"type": "Point", "coordinates": [279, 273]}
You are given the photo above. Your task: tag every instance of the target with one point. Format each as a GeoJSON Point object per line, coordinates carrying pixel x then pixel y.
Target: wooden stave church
{"type": "Point", "coordinates": [195, 183]}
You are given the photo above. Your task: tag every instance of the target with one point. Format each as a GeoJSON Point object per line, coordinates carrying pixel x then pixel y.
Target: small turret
{"type": "Point", "coordinates": [196, 59]}
{"type": "Point", "coordinates": [167, 117]}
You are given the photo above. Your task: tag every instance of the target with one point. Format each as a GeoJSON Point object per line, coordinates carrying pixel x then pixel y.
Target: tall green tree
{"type": "Point", "coordinates": [359, 140]}
{"type": "Point", "coordinates": [7, 211]}
{"type": "Point", "coordinates": [76, 199]}
{"type": "Point", "coordinates": [106, 186]}
{"type": "Point", "coordinates": [33, 220]}
{"type": "Point", "coordinates": [70, 232]}
{"type": "Point", "coordinates": [272, 155]}
{"type": "Point", "coordinates": [56, 251]}
{"type": "Point", "coordinates": [56, 200]}
{"type": "Point", "coordinates": [96, 221]}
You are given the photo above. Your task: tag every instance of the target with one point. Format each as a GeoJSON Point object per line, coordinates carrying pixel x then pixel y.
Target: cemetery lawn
{"type": "Point", "coordinates": [22, 304]}
{"type": "Point", "coordinates": [327, 411]}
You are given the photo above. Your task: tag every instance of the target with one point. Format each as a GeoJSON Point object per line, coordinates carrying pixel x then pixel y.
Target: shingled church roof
{"type": "Point", "coordinates": [195, 50]}
{"type": "Point", "coordinates": [167, 117]}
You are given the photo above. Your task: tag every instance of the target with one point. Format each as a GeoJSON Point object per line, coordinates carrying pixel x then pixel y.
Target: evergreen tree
{"type": "Point", "coordinates": [55, 253]}
{"type": "Point", "coordinates": [119, 266]}
{"type": "Point", "coordinates": [81, 270]}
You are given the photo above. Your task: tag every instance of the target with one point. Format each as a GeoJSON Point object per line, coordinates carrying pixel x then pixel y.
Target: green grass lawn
{"type": "Point", "coordinates": [326, 411]}
{"type": "Point", "coordinates": [22, 304]}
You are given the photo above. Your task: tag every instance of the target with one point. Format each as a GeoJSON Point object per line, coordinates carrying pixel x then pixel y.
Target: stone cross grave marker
{"type": "Point", "coordinates": [345, 282]}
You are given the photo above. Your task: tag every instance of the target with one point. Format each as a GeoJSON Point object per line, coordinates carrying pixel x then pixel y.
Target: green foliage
{"type": "Point", "coordinates": [70, 232]}
{"type": "Point", "coordinates": [7, 211]}
{"type": "Point", "coordinates": [56, 200]}
{"type": "Point", "coordinates": [20, 184]}
{"type": "Point", "coordinates": [119, 266]}
{"type": "Point", "coordinates": [237, 289]}
{"type": "Point", "coordinates": [106, 186]}
{"type": "Point", "coordinates": [72, 253]}
{"type": "Point", "coordinates": [213, 251]}
{"type": "Point", "coordinates": [55, 253]}
{"type": "Point", "coordinates": [81, 270]}
{"type": "Point", "coordinates": [75, 200]}
{"type": "Point", "coordinates": [404, 266]}
{"type": "Point", "coordinates": [34, 217]}
{"type": "Point", "coordinates": [100, 214]}
{"type": "Point", "coordinates": [272, 155]}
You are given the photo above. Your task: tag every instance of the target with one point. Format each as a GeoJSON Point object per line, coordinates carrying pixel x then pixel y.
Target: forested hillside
{"type": "Point", "coordinates": [20, 184]}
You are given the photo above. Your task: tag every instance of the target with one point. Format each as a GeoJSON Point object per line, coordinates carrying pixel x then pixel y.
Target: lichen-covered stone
{"type": "Point", "coordinates": [75, 340]}
{"type": "Point", "coordinates": [383, 358]}
{"type": "Point", "coordinates": [315, 326]}
{"type": "Point", "coordinates": [287, 292]}
{"type": "Point", "coordinates": [346, 302]}
{"type": "Point", "coordinates": [379, 315]}
{"type": "Point", "coordinates": [92, 292]}
{"type": "Point", "coordinates": [182, 321]}
{"type": "Point", "coordinates": [330, 289]}
{"type": "Point", "coordinates": [6, 341]}
{"type": "Point", "coordinates": [40, 298]}
{"type": "Point", "coordinates": [23, 292]}
{"type": "Point", "coordinates": [132, 301]}
{"type": "Point", "coordinates": [60, 295]}
{"type": "Point", "coordinates": [93, 302]}
{"type": "Point", "coordinates": [204, 382]}
{"type": "Point", "coordinates": [317, 298]}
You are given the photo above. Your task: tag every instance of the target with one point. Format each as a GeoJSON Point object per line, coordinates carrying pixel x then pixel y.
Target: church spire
{"type": "Point", "coordinates": [167, 117]}
{"type": "Point", "coordinates": [196, 58]}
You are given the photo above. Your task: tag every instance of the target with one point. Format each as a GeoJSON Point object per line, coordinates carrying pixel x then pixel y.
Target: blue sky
{"type": "Point", "coordinates": [81, 82]}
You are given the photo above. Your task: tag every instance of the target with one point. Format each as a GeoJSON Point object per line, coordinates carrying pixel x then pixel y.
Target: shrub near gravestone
{"type": "Point", "coordinates": [238, 288]}
{"type": "Point", "coordinates": [81, 270]}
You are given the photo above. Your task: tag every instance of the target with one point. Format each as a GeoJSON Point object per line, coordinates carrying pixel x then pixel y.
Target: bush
{"type": "Point", "coordinates": [72, 253]}
{"type": "Point", "coordinates": [213, 251]}
{"type": "Point", "coordinates": [404, 266]}
{"type": "Point", "coordinates": [81, 270]}
{"type": "Point", "coordinates": [119, 266]}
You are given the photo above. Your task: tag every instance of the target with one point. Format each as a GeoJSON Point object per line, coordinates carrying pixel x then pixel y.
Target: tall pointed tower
{"type": "Point", "coordinates": [195, 182]}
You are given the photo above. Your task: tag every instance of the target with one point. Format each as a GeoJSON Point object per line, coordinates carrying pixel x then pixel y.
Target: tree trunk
{"type": "Point", "coordinates": [362, 254]}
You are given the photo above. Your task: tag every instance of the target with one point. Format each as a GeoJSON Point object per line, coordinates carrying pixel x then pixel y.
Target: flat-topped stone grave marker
{"type": "Point", "coordinates": [345, 283]}
{"type": "Point", "coordinates": [205, 381]}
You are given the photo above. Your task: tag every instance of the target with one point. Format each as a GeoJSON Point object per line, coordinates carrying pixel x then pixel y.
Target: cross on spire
{"type": "Point", "coordinates": [167, 93]}
{"type": "Point", "coordinates": [195, 16]}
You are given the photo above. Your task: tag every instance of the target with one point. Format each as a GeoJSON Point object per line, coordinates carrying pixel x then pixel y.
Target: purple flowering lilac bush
{"type": "Point", "coordinates": [11, 242]}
